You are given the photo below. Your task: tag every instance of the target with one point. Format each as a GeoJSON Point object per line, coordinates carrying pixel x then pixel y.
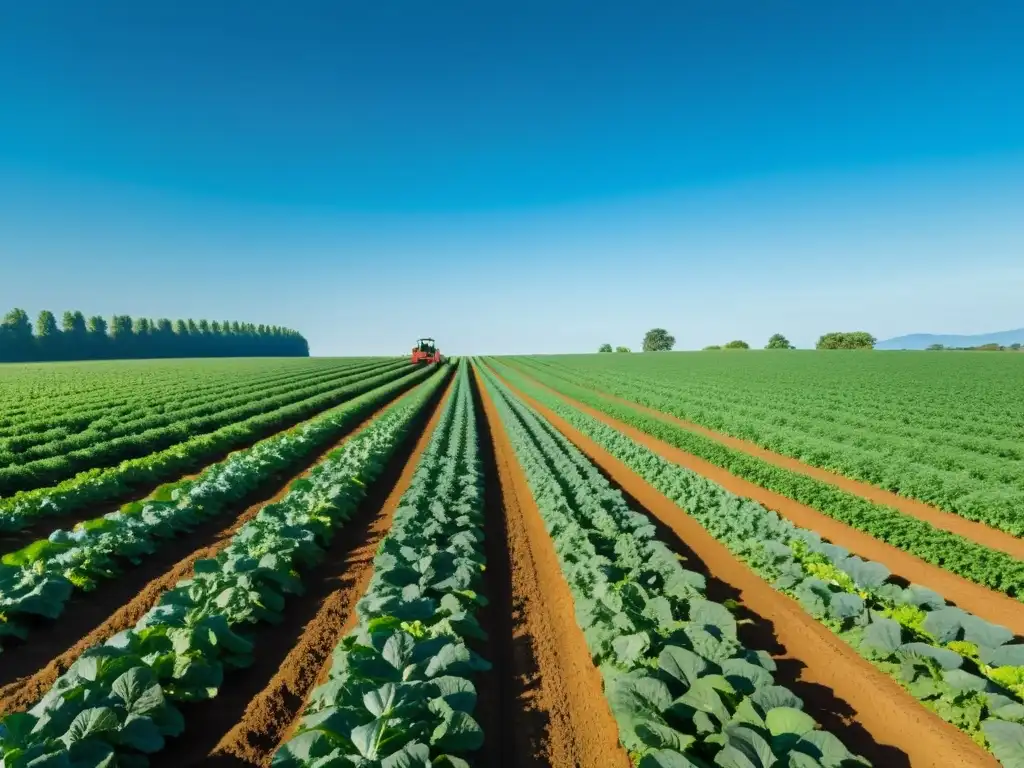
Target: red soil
{"type": "Point", "coordinates": [552, 666]}
{"type": "Point", "coordinates": [887, 713]}
{"type": "Point", "coordinates": [981, 601]}
{"type": "Point", "coordinates": [947, 521]}
{"type": "Point", "coordinates": [272, 713]}
{"type": "Point", "coordinates": [31, 668]}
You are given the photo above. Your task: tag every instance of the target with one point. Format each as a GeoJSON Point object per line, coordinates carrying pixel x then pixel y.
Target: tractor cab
{"type": "Point", "coordinates": [426, 351]}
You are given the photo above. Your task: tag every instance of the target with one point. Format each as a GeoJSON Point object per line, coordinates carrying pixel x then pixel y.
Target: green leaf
{"type": "Point", "coordinates": [662, 736]}
{"type": "Point", "coordinates": [381, 701]}
{"type": "Point", "coordinates": [883, 635]}
{"type": "Point", "coordinates": [664, 758]}
{"type": "Point", "coordinates": [1007, 742]}
{"type": "Point", "coordinates": [139, 692]}
{"type": "Point", "coordinates": [91, 722]}
{"type": "Point", "coordinates": [458, 732]}
{"type": "Point", "coordinates": [141, 733]}
{"type": "Point", "coordinates": [630, 648]}
{"type": "Point", "coordinates": [681, 664]}
{"type": "Point", "coordinates": [366, 737]}
{"type": "Point", "coordinates": [410, 756]}
{"type": "Point", "coordinates": [782, 720]}
{"type": "Point", "coordinates": [398, 650]}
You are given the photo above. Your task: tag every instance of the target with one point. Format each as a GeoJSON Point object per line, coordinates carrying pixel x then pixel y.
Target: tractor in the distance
{"type": "Point", "coordinates": [426, 351]}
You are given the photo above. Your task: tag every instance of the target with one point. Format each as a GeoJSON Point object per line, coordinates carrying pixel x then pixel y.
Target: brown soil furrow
{"type": "Point", "coordinates": [981, 601]}
{"type": "Point", "coordinates": [272, 713]}
{"type": "Point", "coordinates": [44, 526]}
{"type": "Point", "coordinates": [29, 669]}
{"type": "Point", "coordinates": [888, 715]}
{"type": "Point", "coordinates": [947, 521]}
{"type": "Point", "coordinates": [514, 728]}
{"type": "Point", "coordinates": [554, 674]}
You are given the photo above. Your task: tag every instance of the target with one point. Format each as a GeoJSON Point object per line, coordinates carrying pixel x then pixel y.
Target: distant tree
{"type": "Point", "coordinates": [936, 347]}
{"type": "Point", "coordinates": [712, 346]}
{"type": "Point", "coordinates": [1015, 346]}
{"type": "Point", "coordinates": [623, 349]}
{"type": "Point", "coordinates": [48, 341]}
{"type": "Point", "coordinates": [850, 340]}
{"type": "Point", "coordinates": [658, 340]}
{"type": "Point", "coordinates": [74, 336]}
{"type": "Point", "coordinates": [605, 348]}
{"type": "Point", "coordinates": [737, 344]}
{"type": "Point", "coordinates": [98, 343]}
{"type": "Point", "coordinates": [778, 341]}
{"type": "Point", "coordinates": [16, 337]}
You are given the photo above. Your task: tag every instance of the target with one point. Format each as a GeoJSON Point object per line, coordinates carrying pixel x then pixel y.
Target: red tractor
{"type": "Point", "coordinates": [426, 351]}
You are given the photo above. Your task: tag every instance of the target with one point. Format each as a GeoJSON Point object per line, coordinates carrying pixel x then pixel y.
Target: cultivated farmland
{"type": "Point", "coordinates": [660, 560]}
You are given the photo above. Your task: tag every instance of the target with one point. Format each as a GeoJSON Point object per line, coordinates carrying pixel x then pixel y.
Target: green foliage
{"type": "Point", "coordinates": [738, 344]}
{"type": "Point", "coordinates": [605, 348]}
{"type": "Point", "coordinates": [778, 341]}
{"type": "Point", "coordinates": [185, 643]}
{"type": "Point", "coordinates": [138, 338]}
{"type": "Point", "coordinates": [712, 346]}
{"type": "Point", "coordinates": [658, 340]}
{"type": "Point", "coordinates": [405, 674]}
{"type": "Point", "coordinates": [100, 484]}
{"type": "Point", "coordinates": [679, 682]}
{"type": "Point", "coordinates": [846, 340]}
{"type": "Point", "coordinates": [930, 427]}
{"type": "Point", "coordinates": [963, 668]}
{"type": "Point", "coordinates": [623, 349]}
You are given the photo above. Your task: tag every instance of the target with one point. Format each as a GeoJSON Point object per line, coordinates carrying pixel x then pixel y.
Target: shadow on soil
{"type": "Point", "coordinates": [758, 633]}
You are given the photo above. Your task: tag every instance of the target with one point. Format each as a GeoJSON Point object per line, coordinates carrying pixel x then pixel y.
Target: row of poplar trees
{"type": "Point", "coordinates": [125, 337]}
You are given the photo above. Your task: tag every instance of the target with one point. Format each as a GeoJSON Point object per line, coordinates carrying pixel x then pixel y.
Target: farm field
{"type": "Point", "coordinates": [651, 560]}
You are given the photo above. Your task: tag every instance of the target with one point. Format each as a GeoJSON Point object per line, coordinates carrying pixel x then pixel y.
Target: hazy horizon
{"type": "Point", "coordinates": [543, 180]}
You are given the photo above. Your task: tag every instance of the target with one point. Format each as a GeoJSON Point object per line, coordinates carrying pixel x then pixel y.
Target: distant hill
{"type": "Point", "coordinates": [925, 340]}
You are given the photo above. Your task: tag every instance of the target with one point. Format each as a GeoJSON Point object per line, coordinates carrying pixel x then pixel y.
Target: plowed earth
{"type": "Point", "coordinates": [850, 697]}
{"type": "Point", "coordinates": [981, 601]}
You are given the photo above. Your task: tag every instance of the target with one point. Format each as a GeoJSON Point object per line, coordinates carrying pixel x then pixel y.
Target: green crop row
{"type": "Point", "coordinates": [988, 567]}
{"type": "Point", "coordinates": [683, 689]}
{"type": "Point", "coordinates": [117, 702]}
{"type": "Point", "coordinates": [400, 690]}
{"type": "Point", "coordinates": [100, 486]}
{"type": "Point", "coordinates": [39, 579]}
{"type": "Point", "coordinates": [984, 488]}
{"type": "Point", "coordinates": [158, 432]}
{"type": "Point", "coordinates": [968, 671]}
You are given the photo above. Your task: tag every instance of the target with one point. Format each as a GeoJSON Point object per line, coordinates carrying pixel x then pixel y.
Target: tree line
{"type": "Point", "coordinates": [125, 337]}
{"type": "Point", "coordinates": [660, 340]}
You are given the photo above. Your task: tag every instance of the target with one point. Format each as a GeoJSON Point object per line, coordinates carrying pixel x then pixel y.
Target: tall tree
{"type": "Point", "coordinates": [16, 337]}
{"type": "Point", "coordinates": [605, 348]}
{"type": "Point", "coordinates": [737, 344]}
{"type": "Point", "coordinates": [847, 340]}
{"type": "Point", "coordinates": [778, 341]}
{"type": "Point", "coordinates": [658, 340]}
{"type": "Point", "coordinates": [98, 341]}
{"type": "Point", "coordinates": [74, 336]}
{"type": "Point", "coordinates": [48, 341]}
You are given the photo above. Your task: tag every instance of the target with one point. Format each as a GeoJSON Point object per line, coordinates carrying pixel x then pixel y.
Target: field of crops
{"type": "Point", "coordinates": [661, 561]}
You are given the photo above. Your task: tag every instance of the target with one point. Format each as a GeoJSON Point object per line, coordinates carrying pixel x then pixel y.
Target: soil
{"type": "Point", "coordinates": [44, 526]}
{"type": "Point", "coordinates": [31, 667]}
{"type": "Point", "coordinates": [259, 707]}
{"type": "Point", "coordinates": [869, 711]}
{"type": "Point", "coordinates": [947, 521]}
{"type": "Point", "coordinates": [981, 601]}
{"type": "Point", "coordinates": [554, 679]}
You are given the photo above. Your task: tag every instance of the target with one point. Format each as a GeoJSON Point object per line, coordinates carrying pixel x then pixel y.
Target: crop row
{"type": "Point", "coordinates": [400, 691]}
{"type": "Point", "coordinates": [99, 486]}
{"type": "Point", "coordinates": [968, 671]}
{"type": "Point", "coordinates": [117, 702]}
{"type": "Point", "coordinates": [160, 431]}
{"type": "Point", "coordinates": [679, 682]}
{"type": "Point", "coordinates": [48, 394]}
{"type": "Point", "coordinates": [72, 426]}
{"type": "Point", "coordinates": [983, 488]}
{"type": "Point", "coordinates": [975, 562]}
{"type": "Point", "coordinates": [39, 579]}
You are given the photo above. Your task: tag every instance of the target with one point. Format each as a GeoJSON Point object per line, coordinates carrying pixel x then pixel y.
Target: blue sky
{"type": "Point", "coordinates": [517, 177]}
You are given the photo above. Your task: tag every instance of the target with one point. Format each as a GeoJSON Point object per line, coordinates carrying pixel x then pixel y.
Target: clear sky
{"type": "Point", "coordinates": [521, 176]}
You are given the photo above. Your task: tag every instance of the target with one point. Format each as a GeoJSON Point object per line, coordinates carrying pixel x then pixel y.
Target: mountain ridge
{"type": "Point", "coordinates": [925, 340]}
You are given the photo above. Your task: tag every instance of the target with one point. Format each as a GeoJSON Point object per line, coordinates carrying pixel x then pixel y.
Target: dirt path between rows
{"type": "Point", "coordinates": [888, 715]}
{"type": "Point", "coordinates": [947, 521]}
{"type": "Point", "coordinates": [981, 601]}
{"type": "Point", "coordinates": [556, 681]}
{"type": "Point", "coordinates": [29, 669]}
{"type": "Point", "coordinates": [44, 526]}
{"type": "Point", "coordinates": [259, 706]}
